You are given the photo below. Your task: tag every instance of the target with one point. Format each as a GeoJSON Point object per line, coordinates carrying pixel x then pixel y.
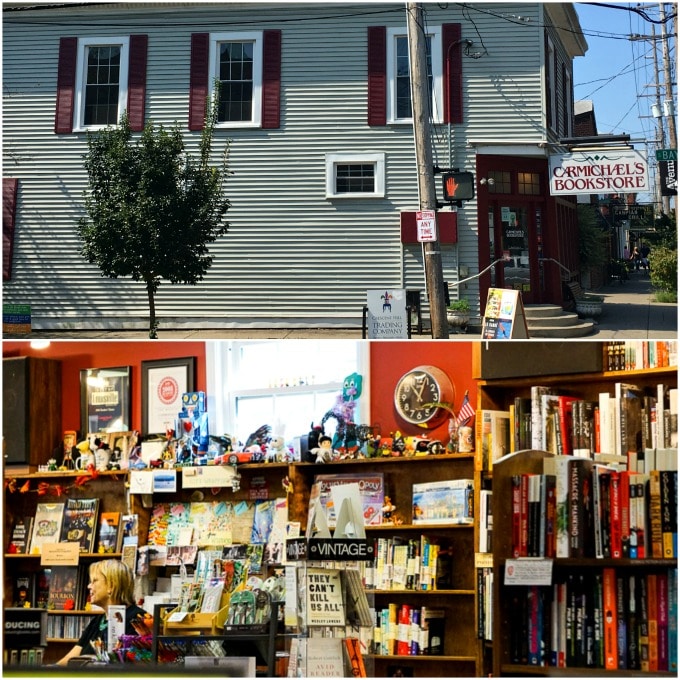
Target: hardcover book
{"type": "Point", "coordinates": [63, 592]}
{"type": "Point", "coordinates": [110, 533]}
{"type": "Point", "coordinates": [81, 522]}
{"type": "Point", "coordinates": [20, 536]}
{"type": "Point", "coordinates": [445, 502]}
{"type": "Point", "coordinates": [46, 525]}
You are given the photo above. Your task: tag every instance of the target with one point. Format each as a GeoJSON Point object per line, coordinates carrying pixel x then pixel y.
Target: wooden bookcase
{"type": "Point", "coordinates": [499, 393]}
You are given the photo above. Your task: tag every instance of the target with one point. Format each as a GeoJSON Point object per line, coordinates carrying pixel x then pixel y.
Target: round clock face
{"type": "Point", "coordinates": [417, 391]}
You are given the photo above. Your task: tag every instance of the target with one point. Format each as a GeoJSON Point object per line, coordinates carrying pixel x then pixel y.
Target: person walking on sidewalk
{"type": "Point", "coordinates": [644, 256]}
{"type": "Point", "coordinates": [636, 258]}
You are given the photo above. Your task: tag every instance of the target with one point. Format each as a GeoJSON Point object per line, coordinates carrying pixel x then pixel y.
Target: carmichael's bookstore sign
{"type": "Point", "coordinates": [596, 172]}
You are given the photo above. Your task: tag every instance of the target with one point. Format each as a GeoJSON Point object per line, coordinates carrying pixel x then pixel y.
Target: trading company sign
{"type": "Point", "coordinates": [598, 172]}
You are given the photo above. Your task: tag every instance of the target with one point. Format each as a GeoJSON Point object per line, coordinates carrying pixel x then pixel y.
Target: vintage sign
{"type": "Point", "coordinates": [597, 172]}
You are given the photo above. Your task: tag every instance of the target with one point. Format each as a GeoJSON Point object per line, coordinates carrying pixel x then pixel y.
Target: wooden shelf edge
{"type": "Point", "coordinates": [392, 528]}
{"type": "Point", "coordinates": [107, 556]}
{"type": "Point", "coordinates": [551, 671]}
{"type": "Point", "coordinates": [459, 592]}
{"type": "Point", "coordinates": [421, 657]}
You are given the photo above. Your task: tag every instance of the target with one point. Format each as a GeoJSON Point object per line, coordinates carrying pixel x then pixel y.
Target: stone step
{"type": "Point", "coordinates": [564, 319]}
{"type": "Point", "coordinates": [542, 311]}
{"type": "Point", "coordinates": [578, 330]}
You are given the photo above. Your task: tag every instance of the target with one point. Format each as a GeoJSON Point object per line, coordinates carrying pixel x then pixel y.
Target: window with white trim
{"type": "Point", "coordinates": [287, 384]}
{"type": "Point", "coordinates": [236, 62]}
{"type": "Point", "coordinates": [355, 175]}
{"type": "Point", "coordinates": [101, 82]}
{"type": "Point", "coordinates": [399, 108]}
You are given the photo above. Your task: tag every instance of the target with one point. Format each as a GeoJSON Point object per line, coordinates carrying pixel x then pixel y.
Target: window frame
{"type": "Point", "coordinates": [221, 356]}
{"type": "Point", "coordinates": [355, 158]}
{"type": "Point", "coordinates": [551, 94]}
{"type": "Point", "coordinates": [257, 38]}
{"type": "Point", "coordinates": [436, 57]}
{"type": "Point", "coordinates": [81, 79]}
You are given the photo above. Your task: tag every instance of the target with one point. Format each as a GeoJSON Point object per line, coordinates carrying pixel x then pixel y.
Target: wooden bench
{"type": "Point", "coordinates": [586, 304]}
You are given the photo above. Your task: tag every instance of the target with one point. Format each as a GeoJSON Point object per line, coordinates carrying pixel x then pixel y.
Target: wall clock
{"type": "Point", "coordinates": [417, 390]}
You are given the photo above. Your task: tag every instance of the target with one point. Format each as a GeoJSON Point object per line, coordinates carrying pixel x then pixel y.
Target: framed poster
{"type": "Point", "coordinates": [163, 383]}
{"type": "Point", "coordinates": [105, 399]}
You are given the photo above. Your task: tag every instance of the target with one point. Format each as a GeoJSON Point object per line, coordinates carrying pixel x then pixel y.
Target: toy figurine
{"type": "Point", "coordinates": [388, 510]}
{"type": "Point", "coordinates": [324, 453]}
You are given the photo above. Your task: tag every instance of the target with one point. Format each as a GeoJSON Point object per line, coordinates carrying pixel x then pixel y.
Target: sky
{"type": "Point", "coordinates": [615, 70]}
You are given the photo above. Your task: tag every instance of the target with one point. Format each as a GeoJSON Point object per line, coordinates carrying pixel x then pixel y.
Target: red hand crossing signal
{"type": "Point", "coordinates": [458, 186]}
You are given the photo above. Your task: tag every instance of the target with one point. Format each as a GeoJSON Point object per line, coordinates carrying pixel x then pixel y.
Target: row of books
{"type": "Point", "coordinates": [577, 508]}
{"type": "Point", "coordinates": [23, 657]}
{"type": "Point", "coordinates": [612, 619]}
{"type": "Point", "coordinates": [56, 588]}
{"type": "Point", "coordinates": [409, 630]}
{"type": "Point", "coordinates": [76, 521]}
{"type": "Point", "coordinates": [408, 564]}
{"type": "Point", "coordinates": [637, 355]}
{"type": "Point", "coordinates": [485, 602]}
{"type": "Point", "coordinates": [626, 423]}
{"type": "Point", "coordinates": [67, 627]}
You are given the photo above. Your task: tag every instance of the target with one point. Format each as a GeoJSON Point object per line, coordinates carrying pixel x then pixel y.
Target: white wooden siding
{"type": "Point", "coordinates": [291, 257]}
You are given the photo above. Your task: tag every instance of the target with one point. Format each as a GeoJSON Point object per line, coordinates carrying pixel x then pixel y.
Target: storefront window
{"type": "Point", "coordinates": [528, 183]}
{"type": "Point", "coordinates": [501, 182]}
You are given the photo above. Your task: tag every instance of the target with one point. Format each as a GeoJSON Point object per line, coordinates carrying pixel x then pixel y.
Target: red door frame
{"type": "Point", "coordinates": [546, 285]}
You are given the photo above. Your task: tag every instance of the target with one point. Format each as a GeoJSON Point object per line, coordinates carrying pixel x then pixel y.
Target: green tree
{"type": "Point", "coordinates": [152, 209]}
{"type": "Point", "coordinates": [663, 265]}
{"type": "Point", "coordinates": [592, 239]}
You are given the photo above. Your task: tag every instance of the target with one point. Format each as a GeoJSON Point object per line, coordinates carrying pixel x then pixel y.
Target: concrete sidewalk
{"type": "Point", "coordinates": [629, 312]}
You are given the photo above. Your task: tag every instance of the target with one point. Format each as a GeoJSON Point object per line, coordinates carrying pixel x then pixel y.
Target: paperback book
{"type": "Point", "coordinates": [46, 525]}
{"type": "Point", "coordinates": [20, 536]}
{"type": "Point", "coordinates": [81, 522]}
{"type": "Point", "coordinates": [445, 502]}
{"type": "Point", "coordinates": [63, 589]}
{"type": "Point", "coordinates": [110, 533]}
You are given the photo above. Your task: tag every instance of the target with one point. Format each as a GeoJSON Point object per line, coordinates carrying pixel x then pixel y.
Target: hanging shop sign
{"type": "Point", "coordinates": [596, 172]}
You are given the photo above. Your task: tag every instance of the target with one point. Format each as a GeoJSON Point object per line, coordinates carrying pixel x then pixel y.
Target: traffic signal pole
{"type": "Point", "coordinates": [432, 255]}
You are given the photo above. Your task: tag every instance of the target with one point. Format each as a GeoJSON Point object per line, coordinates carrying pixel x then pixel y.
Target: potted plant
{"type": "Point", "coordinates": [458, 315]}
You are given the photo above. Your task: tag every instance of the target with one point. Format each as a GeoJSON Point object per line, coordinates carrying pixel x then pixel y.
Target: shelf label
{"type": "Point", "coordinates": [528, 571]}
{"type": "Point", "coordinates": [53, 554]}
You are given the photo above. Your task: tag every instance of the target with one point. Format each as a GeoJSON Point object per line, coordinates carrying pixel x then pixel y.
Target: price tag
{"type": "Point", "coordinates": [528, 571]}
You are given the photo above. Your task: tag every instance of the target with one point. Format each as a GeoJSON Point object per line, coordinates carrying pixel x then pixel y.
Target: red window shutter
{"type": "Point", "coordinates": [137, 81]}
{"type": "Point", "coordinates": [66, 85]}
{"type": "Point", "coordinates": [9, 207]}
{"type": "Point", "coordinates": [453, 61]}
{"type": "Point", "coordinates": [377, 75]}
{"type": "Point", "coordinates": [271, 80]}
{"type": "Point", "coordinates": [198, 80]}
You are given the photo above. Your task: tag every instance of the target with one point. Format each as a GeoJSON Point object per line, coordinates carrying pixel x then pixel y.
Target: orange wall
{"type": "Point", "coordinates": [391, 359]}
{"type": "Point", "coordinates": [77, 355]}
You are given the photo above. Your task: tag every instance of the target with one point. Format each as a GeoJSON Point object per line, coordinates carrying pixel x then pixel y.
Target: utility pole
{"type": "Point", "coordinates": [667, 76]}
{"type": "Point", "coordinates": [420, 99]}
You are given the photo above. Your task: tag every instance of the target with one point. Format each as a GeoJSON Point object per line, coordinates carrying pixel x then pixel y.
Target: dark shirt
{"type": "Point", "coordinates": [97, 629]}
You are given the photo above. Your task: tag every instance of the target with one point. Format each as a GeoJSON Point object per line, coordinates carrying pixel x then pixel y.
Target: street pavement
{"type": "Point", "coordinates": [629, 312]}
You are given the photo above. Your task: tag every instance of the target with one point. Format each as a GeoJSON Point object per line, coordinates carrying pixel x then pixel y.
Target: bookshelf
{"type": "Point", "coordinates": [63, 627]}
{"type": "Point", "coordinates": [499, 383]}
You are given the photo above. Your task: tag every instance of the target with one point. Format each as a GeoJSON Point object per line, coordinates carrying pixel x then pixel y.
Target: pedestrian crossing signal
{"type": "Point", "coordinates": [458, 186]}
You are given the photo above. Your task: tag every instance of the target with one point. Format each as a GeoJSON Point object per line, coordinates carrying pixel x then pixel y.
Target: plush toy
{"type": "Point", "coordinates": [276, 450]}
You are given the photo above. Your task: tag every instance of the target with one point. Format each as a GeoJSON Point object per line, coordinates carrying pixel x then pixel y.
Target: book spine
{"type": "Point", "coordinates": [562, 506]}
{"type": "Point", "coordinates": [655, 524]}
{"type": "Point", "coordinates": [615, 514]}
{"type": "Point", "coordinates": [673, 620]}
{"type": "Point", "coordinates": [621, 624]}
{"type": "Point", "coordinates": [551, 516]}
{"type": "Point", "coordinates": [597, 511]}
{"type": "Point", "coordinates": [516, 482]}
{"type": "Point", "coordinates": [610, 619]}
{"type": "Point", "coordinates": [632, 658]}
{"type": "Point", "coordinates": [643, 625]}
{"type": "Point", "coordinates": [662, 619]}
{"type": "Point", "coordinates": [404, 630]}
{"type": "Point", "coordinates": [598, 617]}
{"type": "Point", "coordinates": [524, 517]}
{"type": "Point", "coordinates": [624, 495]}
{"type": "Point", "coordinates": [653, 622]}
{"type": "Point", "coordinates": [669, 523]}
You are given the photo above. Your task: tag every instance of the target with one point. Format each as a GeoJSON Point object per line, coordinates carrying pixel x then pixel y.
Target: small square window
{"type": "Point", "coordinates": [528, 183]}
{"type": "Point", "coordinates": [355, 175]}
{"type": "Point", "coordinates": [501, 182]}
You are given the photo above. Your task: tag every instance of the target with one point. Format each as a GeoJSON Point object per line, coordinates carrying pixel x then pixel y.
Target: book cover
{"type": "Point", "coordinates": [325, 606]}
{"type": "Point", "coordinates": [20, 536]}
{"type": "Point", "coordinates": [42, 587]}
{"type": "Point", "coordinates": [371, 490]}
{"type": "Point", "coordinates": [443, 502]}
{"type": "Point", "coordinates": [63, 589]}
{"type": "Point", "coordinates": [324, 658]}
{"type": "Point", "coordinates": [110, 535]}
{"type": "Point", "coordinates": [610, 618]}
{"type": "Point", "coordinates": [630, 399]}
{"type": "Point", "coordinates": [46, 525]}
{"type": "Point", "coordinates": [23, 591]}
{"type": "Point", "coordinates": [668, 480]}
{"type": "Point", "coordinates": [580, 508]}
{"type": "Point", "coordinates": [130, 528]}
{"type": "Point", "coordinates": [536, 394]}
{"type": "Point", "coordinates": [81, 522]}
{"type": "Point", "coordinates": [493, 437]}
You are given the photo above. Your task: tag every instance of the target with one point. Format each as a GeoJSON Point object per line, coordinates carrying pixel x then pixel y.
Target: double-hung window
{"type": "Point", "coordinates": [236, 63]}
{"type": "Point", "coordinates": [399, 104]}
{"type": "Point", "coordinates": [102, 81]}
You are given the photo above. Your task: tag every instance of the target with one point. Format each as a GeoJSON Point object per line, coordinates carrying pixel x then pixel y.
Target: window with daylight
{"type": "Point", "coordinates": [528, 183]}
{"type": "Point", "coordinates": [287, 384]}
{"type": "Point", "coordinates": [350, 175]}
{"type": "Point", "coordinates": [236, 60]}
{"type": "Point", "coordinates": [101, 88]}
{"type": "Point", "coordinates": [399, 79]}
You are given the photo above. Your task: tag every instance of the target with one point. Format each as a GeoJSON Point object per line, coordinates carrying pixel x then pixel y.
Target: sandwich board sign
{"type": "Point", "coordinates": [504, 315]}
{"type": "Point", "coordinates": [387, 317]}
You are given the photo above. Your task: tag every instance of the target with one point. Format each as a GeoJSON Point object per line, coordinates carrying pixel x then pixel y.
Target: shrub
{"type": "Point", "coordinates": [664, 269]}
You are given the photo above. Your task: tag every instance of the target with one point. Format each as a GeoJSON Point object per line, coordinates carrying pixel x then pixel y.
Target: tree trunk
{"type": "Point", "coordinates": [150, 291]}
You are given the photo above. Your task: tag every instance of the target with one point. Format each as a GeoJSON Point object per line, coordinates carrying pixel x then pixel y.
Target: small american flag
{"type": "Point", "coordinates": [466, 412]}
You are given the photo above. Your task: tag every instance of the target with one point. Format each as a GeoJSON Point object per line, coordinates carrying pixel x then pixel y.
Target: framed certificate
{"type": "Point", "coordinates": [105, 399]}
{"type": "Point", "coordinates": [163, 383]}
